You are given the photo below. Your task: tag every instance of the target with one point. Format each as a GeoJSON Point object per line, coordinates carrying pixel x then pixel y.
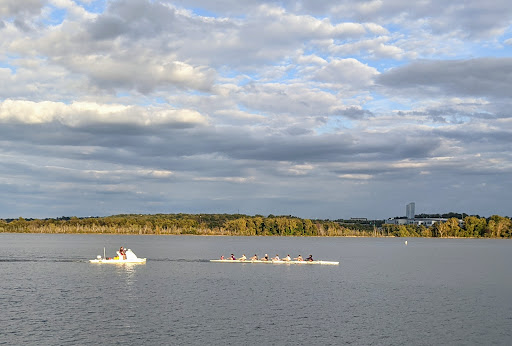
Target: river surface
{"type": "Point", "coordinates": [384, 292]}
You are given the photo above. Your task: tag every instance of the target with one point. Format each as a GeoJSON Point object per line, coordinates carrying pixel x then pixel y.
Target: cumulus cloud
{"type": "Point", "coordinates": [348, 72]}
{"type": "Point", "coordinates": [142, 74]}
{"type": "Point", "coordinates": [9, 8]}
{"type": "Point", "coordinates": [375, 48]}
{"type": "Point", "coordinates": [83, 113]}
{"type": "Point", "coordinates": [297, 100]}
{"type": "Point", "coordinates": [485, 77]}
{"type": "Point", "coordinates": [321, 106]}
{"type": "Point", "coordinates": [472, 19]}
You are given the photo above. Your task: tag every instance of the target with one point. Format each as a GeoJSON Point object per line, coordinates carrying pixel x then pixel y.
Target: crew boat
{"type": "Point", "coordinates": [274, 262]}
{"type": "Point", "coordinates": [128, 257]}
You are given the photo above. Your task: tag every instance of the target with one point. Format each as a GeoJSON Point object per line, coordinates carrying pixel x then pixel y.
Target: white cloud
{"type": "Point", "coordinates": [375, 48]}
{"type": "Point", "coordinates": [348, 72]}
{"type": "Point", "coordinates": [82, 113]}
{"type": "Point", "coordinates": [239, 180]}
{"type": "Point", "coordinates": [356, 176]}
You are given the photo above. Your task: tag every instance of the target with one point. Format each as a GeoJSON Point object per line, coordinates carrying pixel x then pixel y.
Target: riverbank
{"type": "Point", "coordinates": [244, 225]}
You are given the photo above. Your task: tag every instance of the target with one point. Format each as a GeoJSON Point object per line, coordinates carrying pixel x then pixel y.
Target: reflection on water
{"type": "Point", "coordinates": [126, 272]}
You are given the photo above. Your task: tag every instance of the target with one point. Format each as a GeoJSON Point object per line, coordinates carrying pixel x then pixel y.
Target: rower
{"type": "Point", "coordinates": [264, 258]}
{"type": "Point", "coordinates": [310, 258]}
{"type": "Point", "coordinates": [287, 258]}
{"type": "Point", "coordinates": [243, 258]}
{"type": "Point", "coordinates": [299, 258]}
{"type": "Point", "coordinates": [254, 258]}
{"type": "Point", "coordinates": [233, 257]}
{"type": "Point", "coordinates": [276, 258]}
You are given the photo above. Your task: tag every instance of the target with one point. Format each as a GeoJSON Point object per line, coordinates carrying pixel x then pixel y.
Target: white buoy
{"type": "Point", "coordinates": [406, 242]}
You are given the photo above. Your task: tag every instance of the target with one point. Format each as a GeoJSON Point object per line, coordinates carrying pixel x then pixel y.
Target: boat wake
{"type": "Point", "coordinates": [182, 260]}
{"type": "Point", "coordinates": [13, 260]}
{"type": "Point", "coordinates": [79, 260]}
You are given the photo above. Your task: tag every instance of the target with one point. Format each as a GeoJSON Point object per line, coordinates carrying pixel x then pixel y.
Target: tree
{"type": "Point", "coordinates": [474, 226]}
{"type": "Point", "coordinates": [440, 229]}
{"type": "Point", "coordinates": [453, 227]}
{"type": "Point", "coordinates": [501, 226]}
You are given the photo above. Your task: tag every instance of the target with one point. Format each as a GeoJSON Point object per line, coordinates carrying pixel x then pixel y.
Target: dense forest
{"type": "Point", "coordinates": [236, 224]}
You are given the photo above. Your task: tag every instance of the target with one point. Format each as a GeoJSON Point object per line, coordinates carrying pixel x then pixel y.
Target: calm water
{"type": "Point", "coordinates": [429, 292]}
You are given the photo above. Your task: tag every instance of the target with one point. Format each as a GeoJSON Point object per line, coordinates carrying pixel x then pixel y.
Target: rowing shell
{"type": "Point", "coordinates": [276, 262]}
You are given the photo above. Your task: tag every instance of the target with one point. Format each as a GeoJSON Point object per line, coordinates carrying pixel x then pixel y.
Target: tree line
{"type": "Point", "coordinates": [243, 225]}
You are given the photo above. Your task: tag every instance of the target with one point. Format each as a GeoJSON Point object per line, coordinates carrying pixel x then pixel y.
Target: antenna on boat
{"type": "Point", "coordinates": [104, 253]}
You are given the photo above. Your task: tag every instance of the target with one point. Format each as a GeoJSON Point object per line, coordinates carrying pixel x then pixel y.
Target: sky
{"type": "Point", "coordinates": [317, 109]}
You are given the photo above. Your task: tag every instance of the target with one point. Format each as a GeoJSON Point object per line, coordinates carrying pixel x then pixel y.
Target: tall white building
{"type": "Point", "coordinates": [409, 210]}
{"type": "Point", "coordinates": [410, 219]}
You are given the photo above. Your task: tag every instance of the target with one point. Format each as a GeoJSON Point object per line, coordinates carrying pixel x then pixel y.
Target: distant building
{"type": "Point", "coordinates": [411, 220]}
{"type": "Point", "coordinates": [424, 221]}
{"type": "Point", "coordinates": [410, 210]}
{"type": "Point", "coordinates": [358, 219]}
{"type": "Point", "coordinates": [397, 221]}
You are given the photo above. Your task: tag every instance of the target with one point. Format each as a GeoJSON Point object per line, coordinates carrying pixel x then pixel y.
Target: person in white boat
{"type": "Point", "coordinates": [264, 258]}
{"type": "Point", "coordinates": [222, 257]}
{"type": "Point", "coordinates": [233, 257]}
{"type": "Point", "coordinates": [122, 253]}
{"type": "Point", "coordinates": [254, 258]}
{"type": "Point", "coordinates": [287, 258]}
{"type": "Point", "coordinates": [298, 258]}
{"type": "Point", "coordinates": [276, 258]}
{"type": "Point", "coordinates": [243, 258]}
{"type": "Point", "coordinates": [310, 258]}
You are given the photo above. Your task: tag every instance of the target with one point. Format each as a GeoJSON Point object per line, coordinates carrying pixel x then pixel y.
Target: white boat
{"type": "Point", "coordinates": [275, 262]}
{"type": "Point", "coordinates": [119, 259]}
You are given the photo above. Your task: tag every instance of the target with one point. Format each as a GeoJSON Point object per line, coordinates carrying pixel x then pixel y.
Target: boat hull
{"type": "Point", "coordinates": [277, 262]}
{"type": "Point", "coordinates": [114, 261]}
{"type": "Point", "coordinates": [128, 257]}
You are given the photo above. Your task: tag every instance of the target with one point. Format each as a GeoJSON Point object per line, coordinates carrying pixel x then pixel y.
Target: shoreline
{"type": "Point", "coordinates": [238, 235]}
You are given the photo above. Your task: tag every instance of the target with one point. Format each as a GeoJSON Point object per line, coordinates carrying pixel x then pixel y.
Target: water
{"type": "Point", "coordinates": [431, 291]}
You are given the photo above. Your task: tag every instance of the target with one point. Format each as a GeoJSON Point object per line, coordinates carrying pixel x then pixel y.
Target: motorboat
{"type": "Point", "coordinates": [129, 257]}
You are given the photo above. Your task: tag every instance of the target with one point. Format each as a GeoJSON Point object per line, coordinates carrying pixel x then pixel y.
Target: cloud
{"type": "Point", "coordinates": [9, 8]}
{"type": "Point", "coordinates": [348, 72]}
{"type": "Point", "coordinates": [142, 73]}
{"type": "Point", "coordinates": [472, 19]}
{"type": "Point", "coordinates": [480, 77]}
{"type": "Point", "coordinates": [375, 48]}
{"type": "Point", "coordinates": [313, 108]}
{"type": "Point", "coordinates": [84, 113]}
{"type": "Point", "coordinates": [356, 176]}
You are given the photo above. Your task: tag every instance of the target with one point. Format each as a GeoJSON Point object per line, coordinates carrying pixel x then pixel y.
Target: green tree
{"type": "Point", "coordinates": [474, 226]}
{"type": "Point", "coordinates": [440, 229]}
{"type": "Point", "coordinates": [452, 226]}
{"type": "Point", "coordinates": [499, 226]}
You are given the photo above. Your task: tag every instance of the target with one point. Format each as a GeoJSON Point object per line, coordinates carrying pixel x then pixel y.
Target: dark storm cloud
{"type": "Point", "coordinates": [482, 77]}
